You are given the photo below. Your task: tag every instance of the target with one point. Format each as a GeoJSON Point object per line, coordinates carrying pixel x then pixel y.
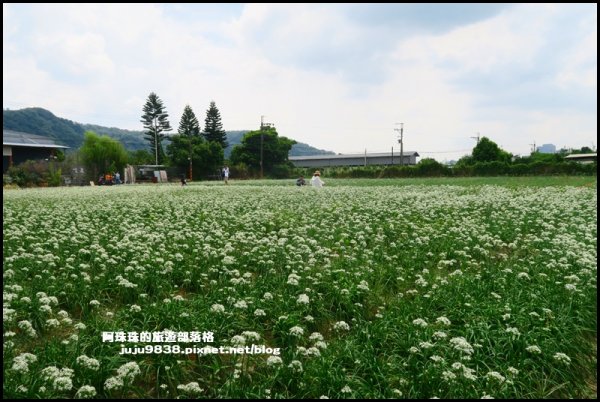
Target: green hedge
{"type": "Point", "coordinates": [436, 169]}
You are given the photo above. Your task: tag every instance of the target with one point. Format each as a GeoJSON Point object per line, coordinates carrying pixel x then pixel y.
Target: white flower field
{"type": "Point", "coordinates": [412, 291]}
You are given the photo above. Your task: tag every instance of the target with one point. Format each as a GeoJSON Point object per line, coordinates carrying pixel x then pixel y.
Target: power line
{"type": "Point", "coordinates": [376, 151]}
{"type": "Point", "coordinates": [445, 152]}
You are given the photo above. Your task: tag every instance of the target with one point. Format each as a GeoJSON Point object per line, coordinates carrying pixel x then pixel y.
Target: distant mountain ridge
{"type": "Point", "coordinates": [43, 122]}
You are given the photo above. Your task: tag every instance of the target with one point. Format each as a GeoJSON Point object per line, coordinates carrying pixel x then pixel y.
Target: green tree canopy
{"type": "Point", "coordinates": [189, 133]}
{"type": "Point", "coordinates": [488, 151]}
{"type": "Point", "coordinates": [100, 153]}
{"type": "Point", "coordinates": [466, 160]}
{"type": "Point", "coordinates": [431, 167]}
{"type": "Point", "coordinates": [155, 122]}
{"type": "Point", "coordinates": [213, 128]}
{"type": "Point", "coordinates": [188, 125]}
{"type": "Point", "coordinates": [583, 150]}
{"type": "Point", "coordinates": [207, 157]}
{"type": "Point", "coordinates": [141, 157]}
{"type": "Point", "coordinates": [275, 149]}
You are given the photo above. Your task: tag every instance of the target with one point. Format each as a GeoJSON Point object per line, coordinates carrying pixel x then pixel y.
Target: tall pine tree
{"type": "Point", "coordinates": [189, 131]}
{"type": "Point", "coordinates": [155, 122]}
{"type": "Point", "coordinates": [213, 128]}
{"type": "Point", "coordinates": [188, 125]}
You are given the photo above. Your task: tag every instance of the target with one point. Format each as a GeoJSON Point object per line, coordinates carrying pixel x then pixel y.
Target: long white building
{"type": "Point", "coordinates": [409, 158]}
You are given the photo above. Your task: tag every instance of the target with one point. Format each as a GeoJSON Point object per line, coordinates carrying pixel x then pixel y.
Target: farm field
{"type": "Point", "coordinates": [504, 181]}
{"type": "Point", "coordinates": [447, 288]}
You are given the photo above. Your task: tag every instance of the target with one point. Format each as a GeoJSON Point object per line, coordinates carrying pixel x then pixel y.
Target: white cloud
{"type": "Point", "coordinates": [581, 66]}
{"type": "Point", "coordinates": [83, 54]}
{"type": "Point", "coordinates": [9, 24]}
{"type": "Point", "coordinates": [322, 78]}
{"type": "Point", "coordinates": [24, 81]}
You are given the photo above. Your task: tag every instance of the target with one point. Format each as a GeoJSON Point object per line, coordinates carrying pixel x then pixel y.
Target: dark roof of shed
{"type": "Point", "coordinates": [19, 139]}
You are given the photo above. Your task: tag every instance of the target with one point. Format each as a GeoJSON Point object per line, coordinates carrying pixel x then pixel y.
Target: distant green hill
{"type": "Point", "coordinates": [40, 121]}
{"type": "Point", "coordinates": [131, 140]}
{"type": "Point", "coordinates": [299, 149]}
{"type": "Point", "coordinates": [302, 149]}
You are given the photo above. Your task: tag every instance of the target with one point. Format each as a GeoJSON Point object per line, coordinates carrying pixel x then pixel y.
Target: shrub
{"type": "Point", "coordinates": [430, 167]}
{"type": "Point", "coordinates": [29, 173]}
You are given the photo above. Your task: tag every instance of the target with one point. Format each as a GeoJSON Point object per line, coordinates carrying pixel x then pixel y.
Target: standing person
{"type": "Point", "coordinates": [183, 180]}
{"type": "Point", "coordinates": [117, 178]}
{"type": "Point", "coordinates": [226, 174]}
{"type": "Point", "coordinates": [316, 180]}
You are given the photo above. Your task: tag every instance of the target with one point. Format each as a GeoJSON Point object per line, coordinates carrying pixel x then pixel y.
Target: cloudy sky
{"type": "Point", "coordinates": [336, 76]}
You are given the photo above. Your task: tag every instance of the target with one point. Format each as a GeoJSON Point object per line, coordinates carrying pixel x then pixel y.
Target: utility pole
{"type": "Point", "coordinates": [190, 157]}
{"type": "Point", "coordinates": [532, 147]}
{"type": "Point", "coordinates": [400, 140]}
{"type": "Point", "coordinates": [261, 144]}
{"type": "Point", "coordinates": [156, 140]}
{"type": "Point", "coordinates": [263, 125]}
{"type": "Point", "coordinates": [476, 138]}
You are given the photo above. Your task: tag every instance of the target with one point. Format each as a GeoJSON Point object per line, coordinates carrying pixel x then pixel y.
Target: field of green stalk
{"type": "Point", "coordinates": [405, 289]}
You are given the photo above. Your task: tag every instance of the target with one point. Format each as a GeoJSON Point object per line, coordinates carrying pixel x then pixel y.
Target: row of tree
{"type": "Point", "coordinates": [487, 159]}
{"type": "Point", "coordinates": [190, 147]}
{"type": "Point", "coordinates": [199, 153]}
{"type": "Point", "coordinates": [487, 150]}
{"type": "Point", "coordinates": [203, 151]}
{"type": "Point", "coordinates": [102, 154]}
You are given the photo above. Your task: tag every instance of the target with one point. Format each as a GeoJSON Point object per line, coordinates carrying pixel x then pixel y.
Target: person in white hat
{"type": "Point", "coordinates": [316, 180]}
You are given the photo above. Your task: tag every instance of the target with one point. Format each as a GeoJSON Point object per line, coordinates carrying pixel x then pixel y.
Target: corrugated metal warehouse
{"type": "Point", "coordinates": [409, 158]}
{"type": "Point", "coordinates": [582, 158]}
